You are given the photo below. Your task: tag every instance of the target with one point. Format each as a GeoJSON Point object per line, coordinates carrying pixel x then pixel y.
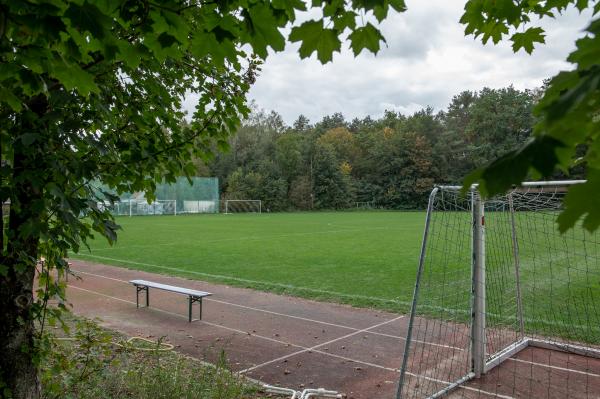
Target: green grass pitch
{"type": "Point", "coordinates": [370, 259]}
{"type": "Point", "coordinates": [361, 258]}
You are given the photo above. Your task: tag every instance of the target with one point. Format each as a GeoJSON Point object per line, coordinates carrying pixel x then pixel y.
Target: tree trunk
{"type": "Point", "coordinates": [18, 368]}
{"type": "Point", "coordinates": [18, 371]}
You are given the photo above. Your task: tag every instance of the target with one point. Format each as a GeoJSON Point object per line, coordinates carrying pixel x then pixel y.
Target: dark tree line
{"type": "Point", "coordinates": [392, 162]}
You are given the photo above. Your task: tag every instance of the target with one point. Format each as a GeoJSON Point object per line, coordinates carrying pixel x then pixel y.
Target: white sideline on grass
{"type": "Point", "coordinates": [307, 289]}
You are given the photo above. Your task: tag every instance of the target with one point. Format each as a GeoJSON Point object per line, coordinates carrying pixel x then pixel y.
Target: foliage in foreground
{"type": "Point", "coordinates": [567, 114]}
{"type": "Point", "coordinates": [93, 90]}
{"type": "Point", "coordinates": [91, 365]}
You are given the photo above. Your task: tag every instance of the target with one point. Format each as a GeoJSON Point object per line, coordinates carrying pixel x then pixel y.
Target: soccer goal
{"type": "Point", "coordinates": [504, 304]}
{"type": "Point", "coordinates": [243, 206]}
{"type": "Point", "coordinates": [365, 204]}
{"type": "Point", "coordinates": [142, 207]}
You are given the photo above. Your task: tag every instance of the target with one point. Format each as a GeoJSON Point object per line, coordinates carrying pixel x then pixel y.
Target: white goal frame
{"type": "Point", "coordinates": [482, 362]}
{"type": "Point", "coordinates": [144, 203]}
{"type": "Point", "coordinates": [255, 202]}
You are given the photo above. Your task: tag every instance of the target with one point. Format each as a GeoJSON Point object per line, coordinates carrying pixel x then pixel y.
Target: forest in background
{"type": "Point", "coordinates": [391, 162]}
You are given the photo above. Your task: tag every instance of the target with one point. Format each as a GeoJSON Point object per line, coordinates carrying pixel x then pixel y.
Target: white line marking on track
{"type": "Point", "coordinates": [304, 348]}
{"type": "Point", "coordinates": [252, 308]}
{"type": "Point", "coordinates": [294, 317]}
{"type": "Point", "coordinates": [320, 322]}
{"type": "Point", "coordinates": [466, 387]}
{"type": "Point", "coordinates": [339, 294]}
{"type": "Point", "coordinates": [554, 367]}
{"type": "Point", "coordinates": [243, 280]}
{"type": "Point", "coordinates": [185, 317]}
{"type": "Point", "coordinates": [320, 345]}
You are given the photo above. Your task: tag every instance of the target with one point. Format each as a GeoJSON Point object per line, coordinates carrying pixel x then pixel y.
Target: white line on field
{"type": "Point", "coordinates": [289, 316]}
{"type": "Point", "coordinates": [315, 290]}
{"type": "Point", "coordinates": [330, 324]}
{"type": "Point", "coordinates": [249, 238]}
{"type": "Point", "coordinates": [243, 280]}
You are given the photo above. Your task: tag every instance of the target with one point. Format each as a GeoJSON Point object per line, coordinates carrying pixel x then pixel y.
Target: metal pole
{"type": "Point", "coordinates": [190, 309]}
{"type": "Point", "coordinates": [147, 296]}
{"type": "Point", "coordinates": [478, 287]}
{"type": "Point", "coordinates": [129, 207]}
{"type": "Point", "coordinates": [517, 265]}
{"type": "Point", "coordinates": [413, 310]}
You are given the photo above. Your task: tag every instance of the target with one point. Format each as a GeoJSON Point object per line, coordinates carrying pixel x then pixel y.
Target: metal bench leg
{"type": "Point", "coordinates": [200, 309]}
{"type": "Point", "coordinates": [137, 295]}
{"type": "Point", "coordinates": [190, 302]}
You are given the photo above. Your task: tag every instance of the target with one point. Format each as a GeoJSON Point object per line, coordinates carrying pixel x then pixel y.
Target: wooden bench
{"type": "Point", "coordinates": [193, 295]}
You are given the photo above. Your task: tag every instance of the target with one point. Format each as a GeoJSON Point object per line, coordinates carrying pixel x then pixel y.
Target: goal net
{"type": "Point", "coordinates": [134, 207]}
{"type": "Point", "coordinates": [365, 204]}
{"type": "Point", "coordinates": [185, 195]}
{"type": "Point", "coordinates": [243, 206]}
{"type": "Point", "coordinates": [504, 304]}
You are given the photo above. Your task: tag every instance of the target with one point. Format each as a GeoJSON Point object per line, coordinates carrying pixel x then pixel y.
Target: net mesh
{"type": "Point", "coordinates": [194, 195]}
{"type": "Point", "coordinates": [243, 206]}
{"type": "Point", "coordinates": [542, 301]}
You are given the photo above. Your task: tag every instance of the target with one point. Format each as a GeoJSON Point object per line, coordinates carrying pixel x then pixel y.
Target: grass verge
{"type": "Point", "coordinates": [92, 362]}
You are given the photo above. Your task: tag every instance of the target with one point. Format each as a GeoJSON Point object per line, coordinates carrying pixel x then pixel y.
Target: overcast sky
{"type": "Point", "coordinates": [427, 60]}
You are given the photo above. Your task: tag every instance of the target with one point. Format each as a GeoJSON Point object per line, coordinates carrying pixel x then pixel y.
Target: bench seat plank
{"type": "Point", "coordinates": [172, 288]}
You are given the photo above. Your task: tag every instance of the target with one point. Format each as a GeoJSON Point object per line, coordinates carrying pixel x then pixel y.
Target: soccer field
{"type": "Point", "coordinates": [361, 258]}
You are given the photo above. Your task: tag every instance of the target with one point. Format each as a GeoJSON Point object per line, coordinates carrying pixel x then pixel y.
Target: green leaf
{"type": "Point", "coordinates": [367, 37]}
{"type": "Point", "coordinates": [29, 138]}
{"type": "Point", "coordinates": [264, 30]}
{"type": "Point", "coordinates": [346, 19]}
{"type": "Point", "coordinates": [73, 77]}
{"type": "Point", "coordinates": [493, 31]}
{"type": "Point", "coordinates": [206, 44]}
{"type": "Point", "coordinates": [315, 37]}
{"type": "Point", "coordinates": [290, 7]}
{"type": "Point", "coordinates": [526, 40]}
{"type": "Point", "coordinates": [582, 201]}
{"type": "Point", "coordinates": [512, 168]}
{"type": "Point", "coordinates": [9, 98]}
{"type": "Point", "coordinates": [131, 54]}
{"type": "Point", "coordinates": [398, 5]}
{"type": "Point", "coordinates": [87, 17]}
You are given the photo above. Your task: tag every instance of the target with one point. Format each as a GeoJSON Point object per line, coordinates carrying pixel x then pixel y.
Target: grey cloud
{"type": "Point", "coordinates": [427, 61]}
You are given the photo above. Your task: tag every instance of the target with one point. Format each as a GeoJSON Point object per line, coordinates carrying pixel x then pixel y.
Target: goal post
{"type": "Point", "coordinates": [141, 207]}
{"type": "Point", "coordinates": [497, 281]}
{"type": "Point", "coordinates": [243, 206]}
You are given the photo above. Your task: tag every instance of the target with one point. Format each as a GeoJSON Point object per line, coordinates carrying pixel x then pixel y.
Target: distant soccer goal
{"type": "Point", "coordinates": [200, 206]}
{"type": "Point", "coordinates": [365, 204]}
{"type": "Point", "coordinates": [135, 207]}
{"type": "Point", "coordinates": [503, 303]}
{"type": "Point", "coordinates": [243, 206]}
